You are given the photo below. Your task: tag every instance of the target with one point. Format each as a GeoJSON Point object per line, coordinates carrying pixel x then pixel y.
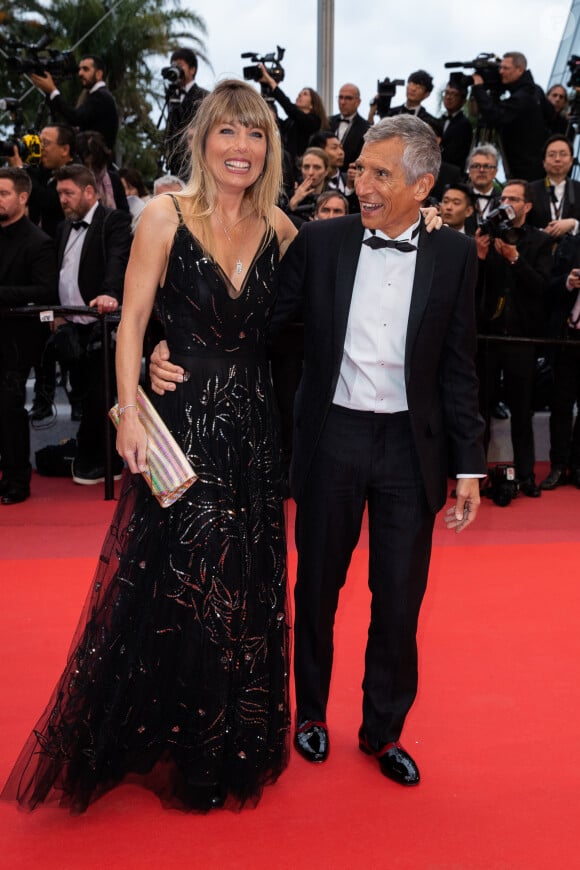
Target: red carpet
{"type": "Point", "coordinates": [494, 728]}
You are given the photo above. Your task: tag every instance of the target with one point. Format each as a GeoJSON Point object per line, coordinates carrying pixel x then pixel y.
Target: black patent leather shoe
{"type": "Point", "coordinates": [556, 477]}
{"type": "Point", "coordinates": [14, 495]}
{"type": "Point", "coordinates": [393, 760]}
{"type": "Point", "coordinates": [311, 741]}
{"type": "Point", "coordinates": [529, 487]}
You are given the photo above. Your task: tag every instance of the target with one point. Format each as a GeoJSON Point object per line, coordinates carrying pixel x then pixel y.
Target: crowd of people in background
{"type": "Point", "coordinates": [526, 230]}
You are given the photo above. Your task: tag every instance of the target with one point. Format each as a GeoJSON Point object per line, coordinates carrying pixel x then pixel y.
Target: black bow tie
{"type": "Point", "coordinates": [79, 225]}
{"type": "Point", "coordinates": [345, 120]}
{"type": "Point", "coordinates": [376, 242]}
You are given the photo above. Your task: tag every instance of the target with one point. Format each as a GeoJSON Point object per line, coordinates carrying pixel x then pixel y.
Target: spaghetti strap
{"type": "Point", "coordinates": [177, 209]}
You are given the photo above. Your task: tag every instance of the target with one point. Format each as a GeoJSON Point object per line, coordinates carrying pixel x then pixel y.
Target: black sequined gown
{"type": "Point", "coordinates": [178, 673]}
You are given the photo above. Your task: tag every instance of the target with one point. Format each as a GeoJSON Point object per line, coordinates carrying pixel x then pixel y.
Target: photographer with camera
{"type": "Point", "coordinates": [183, 96]}
{"type": "Point", "coordinates": [97, 111]}
{"type": "Point", "coordinates": [304, 117]}
{"type": "Point", "coordinates": [514, 268]}
{"type": "Point", "coordinates": [522, 120]}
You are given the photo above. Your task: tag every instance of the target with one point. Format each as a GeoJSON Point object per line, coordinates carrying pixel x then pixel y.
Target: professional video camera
{"type": "Point", "coordinates": [273, 66]}
{"type": "Point", "coordinates": [502, 485]}
{"type": "Point", "coordinates": [499, 224]}
{"type": "Point", "coordinates": [385, 93]}
{"type": "Point", "coordinates": [172, 74]}
{"type": "Point", "coordinates": [27, 144]}
{"type": "Point", "coordinates": [39, 59]}
{"type": "Point", "coordinates": [486, 65]}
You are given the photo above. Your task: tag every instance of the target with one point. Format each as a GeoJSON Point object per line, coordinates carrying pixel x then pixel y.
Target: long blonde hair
{"type": "Point", "coordinates": [233, 101]}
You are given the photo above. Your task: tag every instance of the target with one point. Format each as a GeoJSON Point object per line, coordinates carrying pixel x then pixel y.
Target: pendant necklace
{"type": "Point", "coordinates": [239, 264]}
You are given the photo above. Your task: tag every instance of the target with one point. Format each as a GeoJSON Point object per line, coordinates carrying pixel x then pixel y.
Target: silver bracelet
{"type": "Point", "coordinates": [123, 408]}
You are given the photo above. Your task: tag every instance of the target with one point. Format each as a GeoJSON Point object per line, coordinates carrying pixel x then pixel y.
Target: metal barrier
{"type": "Point", "coordinates": [47, 313]}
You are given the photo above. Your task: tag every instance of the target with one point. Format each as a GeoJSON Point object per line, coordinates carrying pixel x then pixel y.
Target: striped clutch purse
{"type": "Point", "coordinates": [169, 473]}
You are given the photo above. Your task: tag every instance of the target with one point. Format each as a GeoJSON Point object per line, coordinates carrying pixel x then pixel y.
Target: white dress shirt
{"type": "Point", "coordinates": [372, 372]}
{"type": "Point", "coordinates": [68, 280]}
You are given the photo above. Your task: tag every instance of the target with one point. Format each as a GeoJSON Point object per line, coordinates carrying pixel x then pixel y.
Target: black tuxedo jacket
{"type": "Point", "coordinates": [180, 116]}
{"type": "Point", "coordinates": [318, 272]}
{"type": "Point", "coordinates": [104, 255]}
{"type": "Point", "coordinates": [456, 140]}
{"type": "Point", "coordinates": [540, 214]}
{"type": "Point", "coordinates": [511, 299]}
{"type": "Point", "coordinates": [27, 276]}
{"type": "Point", "coordinates": [98, 112]}
{"type": "Point", "coordinates": [354, 138]}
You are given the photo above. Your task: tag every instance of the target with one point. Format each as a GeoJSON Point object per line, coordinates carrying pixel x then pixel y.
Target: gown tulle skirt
{"type": "Point", "coordinates": [177, 677]}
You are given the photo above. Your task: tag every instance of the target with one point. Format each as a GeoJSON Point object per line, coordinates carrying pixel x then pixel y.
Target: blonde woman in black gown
{"type": "Point", "coordinates": [178, 673]}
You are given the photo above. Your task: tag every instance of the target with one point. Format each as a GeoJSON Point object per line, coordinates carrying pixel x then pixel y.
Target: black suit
{"type": "Point", "coordinates": [104, 257]}
{"type": "Point", "coordinates": [421, 113]}
{"type": "Point", "coordinates": [456, 139]}
{"type": "Point", "coordinates": [511, 301]}
{"type": "Point", "coordinates": [98, 112]}
{"type": "Point", "coordinates": [181, 114]}
{"type": "Point", "coordinates": [540, 214]}
{"type": "Point", "coordinates": [319, 271]}
{"type": "Point", "coordinates": [27, 275]}
{"type": "Point", "coordinates": [353, 139]}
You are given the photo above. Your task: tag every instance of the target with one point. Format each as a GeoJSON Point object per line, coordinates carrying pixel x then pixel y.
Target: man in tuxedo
{"type": "Point", "coordinates": [456, 130]}
{"type": "Point", "coordinates": [389, 382]}
{"type": "Point", "coordinates": [481, 171]}
{"type": "Point", "coordinates": [182, 108]}
{"type": "Point", "coordinates": [419, 87]}
{"type": "Point", "coordinates": [98, 111]}
{"type": "Point", "coordinates": [27, 276]}
{"type": "Point", "coordinates": [93, 245]}
{"type": "Point", "coordinates": [348, 125]}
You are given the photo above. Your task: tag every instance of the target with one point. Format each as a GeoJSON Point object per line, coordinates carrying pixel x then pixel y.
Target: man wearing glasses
{"type": "Point", "coordinates": [481, 169]}
{"type": "Point", "coordinates": [514, 269]}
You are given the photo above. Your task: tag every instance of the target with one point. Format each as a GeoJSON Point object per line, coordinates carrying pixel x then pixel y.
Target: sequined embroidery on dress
{"type": "Point", "coordinates": [178, 673]}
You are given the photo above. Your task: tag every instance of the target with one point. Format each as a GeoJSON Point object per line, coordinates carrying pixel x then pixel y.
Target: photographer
{"type": "Point", "coordinates": [522, 120]}
{"type": "Point", "coordinates": [514, 268]}
{"type": "Point", "coordinates": [183, 99]}
{"type": "Point", "coordinates": [97, 111]}
{"type": "Point", "coordinates": [304, 117]}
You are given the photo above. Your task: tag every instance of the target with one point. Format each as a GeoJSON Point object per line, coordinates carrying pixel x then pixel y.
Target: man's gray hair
{"type": "Point", "coordinates": [172, 181]}
{"type": "Point", "coordinates": [487, 151]}
{"type": "Point", "coordinates": [421, 154]}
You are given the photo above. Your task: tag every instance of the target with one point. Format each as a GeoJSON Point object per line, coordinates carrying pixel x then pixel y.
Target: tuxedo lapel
{"type": "Point", "coordinates": [346, 267]}
{"type": "Point", "coordinates": [63, 239]}
{"type": "Point", "coordinates": [424, 269]}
